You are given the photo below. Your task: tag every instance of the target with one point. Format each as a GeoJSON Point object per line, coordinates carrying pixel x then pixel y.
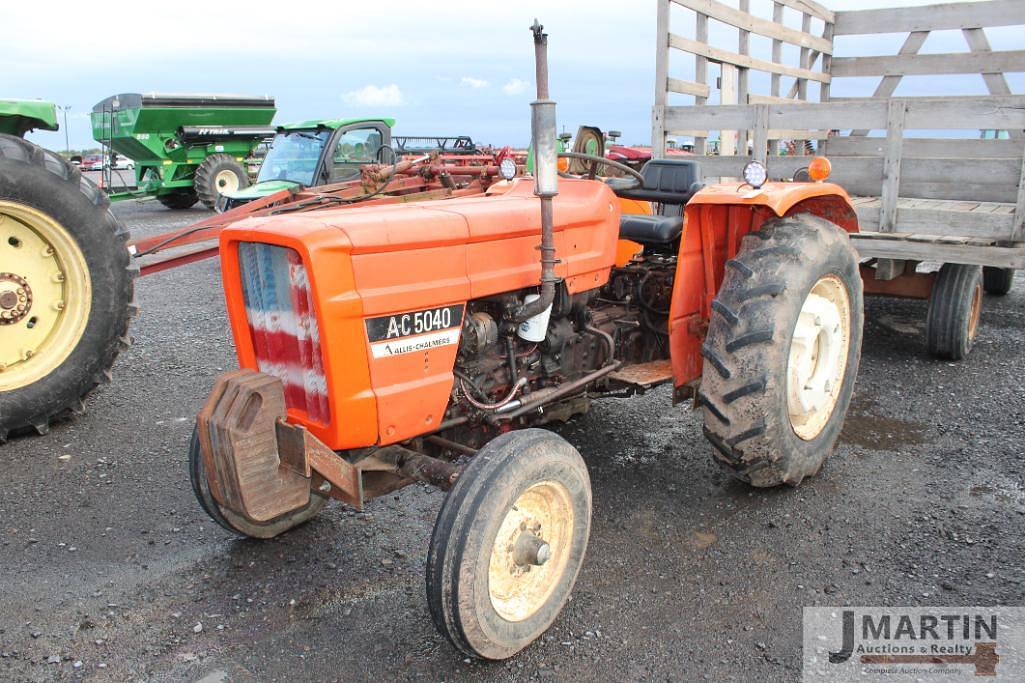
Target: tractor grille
{"type": "Point", "coordinates": [283, 325]}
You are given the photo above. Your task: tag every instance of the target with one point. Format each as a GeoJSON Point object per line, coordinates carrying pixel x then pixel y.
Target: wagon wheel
{"type": "Point", "coordinates": [955, 305]}
{"type": "Point", "coordinates": [508, 543]}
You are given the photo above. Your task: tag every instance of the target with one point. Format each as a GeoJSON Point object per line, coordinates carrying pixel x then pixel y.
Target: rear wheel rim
{"type": "Point", "coordinates": [817, 362]}
{"type": "Point", "coordinates": [531, 551]}
{"type": "Point", "coordinates": [226, 181]}
{"type": "Point", "coordinates": [46, 300]}
{"type": "Point", "coordinates": [973, 316]}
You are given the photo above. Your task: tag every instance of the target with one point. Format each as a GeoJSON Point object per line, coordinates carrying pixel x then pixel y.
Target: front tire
{"type": "Point", "coordinates": [219, 173]}
{"type": "Point", "coordinates": [955, 305]}
{"type": "Point", "coordinates": [66, 293]}
{"type": "Point", "coordinates": [509, 543]}
{"type": "Point", "coordinates": [782, 351]}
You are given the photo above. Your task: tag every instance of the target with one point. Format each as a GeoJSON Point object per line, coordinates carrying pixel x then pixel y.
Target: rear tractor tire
{"type": "Point", "coordinates": [997, 281]}
{"type": "Point", "coordinates": [508, 543]}
{"type": "Point", "coordinates": [955, 305]}
{"type": "Point", "coordinates": [782, 351]}
{"type": "Point", "coordinates": [233, 522]}
{"type": "Point", "coordinates": [66, 290]}
{"type": "Point", "coordinates": [219, 173]}
{"type": "Point", "coordinates": [179, 200]}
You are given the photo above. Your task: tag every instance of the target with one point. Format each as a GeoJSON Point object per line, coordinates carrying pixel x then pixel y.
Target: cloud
{"type": "Point", "coordinates": [471, 82]}
{"type": "Point", "coordinates": [375, 96]}
{"type": "Point", "coordinates": [515, 86]}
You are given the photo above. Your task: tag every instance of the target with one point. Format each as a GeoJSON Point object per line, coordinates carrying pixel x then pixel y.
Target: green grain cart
{"type": "Point", "coordinates": [186, 148]}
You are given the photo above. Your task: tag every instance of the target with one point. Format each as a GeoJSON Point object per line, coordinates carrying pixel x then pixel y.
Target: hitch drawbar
{"type": "Point", "coordinates": [263, 468]}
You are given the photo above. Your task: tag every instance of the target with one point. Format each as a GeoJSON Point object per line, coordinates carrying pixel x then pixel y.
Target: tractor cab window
{"type": "Point", "coordinates": [293, 155]}
{"type": "Point", "coordinates": [353, 149]}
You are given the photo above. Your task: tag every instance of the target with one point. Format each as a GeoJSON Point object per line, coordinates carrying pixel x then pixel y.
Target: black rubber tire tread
{"type": "Point", "coordinates": [179, 200]}
{"type": "Point", "coordinates": [948, 322]}
{"type": "Point", "coordinates": [237, 524]}
{"type": "Point", "coordinates": [997, 281]}
{"type": "Point", "coordinates": [491, 482]}
{"type": "Point", "coordinates": [43, 180]}
{"type": "Point", "coordinates": [205, 183]}
{"type": "Point", "coordinates": [743, 385]}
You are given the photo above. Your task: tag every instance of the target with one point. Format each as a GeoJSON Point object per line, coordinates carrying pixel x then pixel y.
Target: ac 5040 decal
{"type": "Point", "coordinates": [392, 335]}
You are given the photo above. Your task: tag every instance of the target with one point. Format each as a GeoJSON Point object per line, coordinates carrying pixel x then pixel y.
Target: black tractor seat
{"type": "Point", "coordinates": [650, 229]}
{"type": "Point", "coordinates": [670, 183]}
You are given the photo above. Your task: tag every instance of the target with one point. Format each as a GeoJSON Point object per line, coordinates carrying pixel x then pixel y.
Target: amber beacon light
{"type": "Point", "coordinates": [819, 169]}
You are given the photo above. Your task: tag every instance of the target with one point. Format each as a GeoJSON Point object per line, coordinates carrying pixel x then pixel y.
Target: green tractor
{"type": "Point", "coordinates": [66, 280]}
{"type": "Point", "coordinates": [317, 152]}
{"type": "Point", "coordinates": [186, 148]}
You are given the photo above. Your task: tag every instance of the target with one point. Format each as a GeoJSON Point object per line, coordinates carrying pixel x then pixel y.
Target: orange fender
{"type": "Point", "coordinates": [715, 221]}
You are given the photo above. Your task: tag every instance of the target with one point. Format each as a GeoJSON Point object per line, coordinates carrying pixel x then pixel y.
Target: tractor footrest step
{"type": "Point", "coordinates": [644, 375]}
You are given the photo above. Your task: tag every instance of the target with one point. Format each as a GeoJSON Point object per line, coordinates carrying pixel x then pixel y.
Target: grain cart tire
{"type": "Point", "coordinates": [508, 543]}
{"type": "Point", "coordinates": [66, 293]}
{"type": "Point", "coordinates": [997, 281]}
{"type": "Point", "coordinates": [219, 173]}
{"type": "Point", "coordinates": [782, 351]}
{"type": "Point", "coordinates": [954, 307]}
{"type": "Point", "coordinates": [179, 199]}
{"type": "Point", "coordinates": [234, 522]}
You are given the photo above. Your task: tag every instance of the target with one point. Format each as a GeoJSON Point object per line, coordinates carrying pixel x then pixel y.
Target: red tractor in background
{"type": "Point", "coordinates": [386, 345]}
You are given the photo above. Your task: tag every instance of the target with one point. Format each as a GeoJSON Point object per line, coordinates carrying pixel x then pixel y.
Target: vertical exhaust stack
{"type": "Point", "coordinates": [546, 174]}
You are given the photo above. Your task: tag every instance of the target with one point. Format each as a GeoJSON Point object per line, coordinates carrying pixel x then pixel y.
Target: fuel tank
{"type": "Point", "coordinates": [359, 311]}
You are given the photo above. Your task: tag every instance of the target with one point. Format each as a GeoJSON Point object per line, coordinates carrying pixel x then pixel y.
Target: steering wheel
{"type": "Point", "coordinates": [597, 160]}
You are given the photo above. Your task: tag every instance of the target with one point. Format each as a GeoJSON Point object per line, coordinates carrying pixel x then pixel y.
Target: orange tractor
{"type": "Point", "coordinates": [428, 342]}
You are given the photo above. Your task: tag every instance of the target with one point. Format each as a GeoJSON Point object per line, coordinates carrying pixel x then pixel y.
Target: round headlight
{"type": "Point", "coordinates": [507, 169]}
{"type": "Point", "coordinates": [755, 174]}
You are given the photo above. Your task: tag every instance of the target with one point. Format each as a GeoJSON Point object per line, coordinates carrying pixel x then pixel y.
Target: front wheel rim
{"type": "Point", "coordinates": [45, 301]}
{"type": "Point", "coordinates": [531, 551]}
{"type": "Point", "coordinates": [817, 362]}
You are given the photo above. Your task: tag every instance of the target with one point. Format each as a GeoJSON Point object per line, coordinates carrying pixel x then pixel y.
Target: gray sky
{"type": "Point", "coordinates": [443, 67]}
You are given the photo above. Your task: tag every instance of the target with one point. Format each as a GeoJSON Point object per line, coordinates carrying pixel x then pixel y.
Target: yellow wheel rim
{"type": "Point", "coordinates": [226, 181]}
{"type": "Point", "coordinates": [45, 295]}
{"type": "Point", "coordinates": [531, 551]}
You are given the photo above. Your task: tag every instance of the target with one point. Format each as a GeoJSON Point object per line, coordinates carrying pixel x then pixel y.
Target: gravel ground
{"type": "Point", "coordinates": [111, 571]}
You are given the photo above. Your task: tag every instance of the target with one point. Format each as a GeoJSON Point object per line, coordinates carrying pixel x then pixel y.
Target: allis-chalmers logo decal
{"type": "Point", "coordinates": [927, 643]}
{"type": "Point", "coordinates": [393, 335]}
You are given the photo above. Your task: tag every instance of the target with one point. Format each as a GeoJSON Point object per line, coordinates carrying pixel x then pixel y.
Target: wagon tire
{"type": "Point", "coordinates": [955, 305]}
{"type": "Point", "coordinates": [997, 281]}
{"type": "Point", "coordinates": [782, 351]}
{"type": "Point", "coordinates": [219, 173]}
{"type": "Point", "coordinates": [234, 522]}
{"type": "Point", "coordinates": [179, 200]}
{"type": "Point", "coordinates": [508, 543]}
{"type": "Point", "coordinates": [56, 227]}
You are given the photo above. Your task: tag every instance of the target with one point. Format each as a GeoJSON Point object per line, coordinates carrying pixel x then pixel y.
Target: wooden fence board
{"type": "Point", "coordinates": [930, 64]}
{"type": "Point", "coordinates": [717, 55]}
{"type": "Point", "coordinates": [844, 145]}
{"type": "Point", "coordinates": [931, 17]}
{"type": "Point", "coordinates": [763, 27]}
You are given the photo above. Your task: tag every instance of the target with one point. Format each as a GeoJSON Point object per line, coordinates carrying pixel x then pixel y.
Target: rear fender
{"type": "Point", "coordinates": [715, 221]}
